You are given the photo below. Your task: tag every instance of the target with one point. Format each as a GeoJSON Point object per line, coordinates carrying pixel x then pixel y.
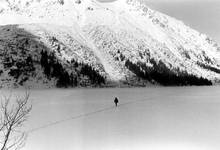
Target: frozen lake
{"type": "Point", "coordinates": [154, 118]}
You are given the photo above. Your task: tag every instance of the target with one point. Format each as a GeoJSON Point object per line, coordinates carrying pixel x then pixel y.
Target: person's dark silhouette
{"type": "Point", "coordinates": [116, 101]}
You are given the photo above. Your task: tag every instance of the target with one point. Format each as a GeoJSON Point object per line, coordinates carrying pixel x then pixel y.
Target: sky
{"type": "Point", "coordinates": [202, 15]}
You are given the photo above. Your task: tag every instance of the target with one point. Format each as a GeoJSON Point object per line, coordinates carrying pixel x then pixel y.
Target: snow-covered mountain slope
{"type": "Point", "coordinates": [122, 42]}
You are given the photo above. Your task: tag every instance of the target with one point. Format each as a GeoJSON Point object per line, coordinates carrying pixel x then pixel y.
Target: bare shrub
{"type": "Point", "coordinates": [12, 118]}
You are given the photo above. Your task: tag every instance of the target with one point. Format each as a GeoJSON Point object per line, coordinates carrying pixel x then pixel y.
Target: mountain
{"type": "Point", "coordinates": [69, 43]}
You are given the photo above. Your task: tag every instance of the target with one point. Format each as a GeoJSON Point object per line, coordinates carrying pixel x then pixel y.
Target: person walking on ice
{"type": "Point", "coordinates": [116, 101]}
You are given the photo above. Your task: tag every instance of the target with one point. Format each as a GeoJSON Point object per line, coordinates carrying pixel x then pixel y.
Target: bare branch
{"type": "Point", "coordinates": [12, 117]}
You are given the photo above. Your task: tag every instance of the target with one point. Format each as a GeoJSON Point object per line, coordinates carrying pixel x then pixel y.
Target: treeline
{"type": "Point", "coordinates": [18, 63]}
{"type": "Point", "coordinates": [78, 74]}
{"type": "Point", "coordinates": [208, 67]}
{"type": "Point", "coordinates": [22, 69]}
{"type": "Point", "coordinates": [95, 77]}
{"type": "Point", "coordinates": [163, 75]}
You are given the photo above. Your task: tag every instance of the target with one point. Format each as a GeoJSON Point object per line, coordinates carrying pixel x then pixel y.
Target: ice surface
{"type": "Point", "coordinates": [154, 118]}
